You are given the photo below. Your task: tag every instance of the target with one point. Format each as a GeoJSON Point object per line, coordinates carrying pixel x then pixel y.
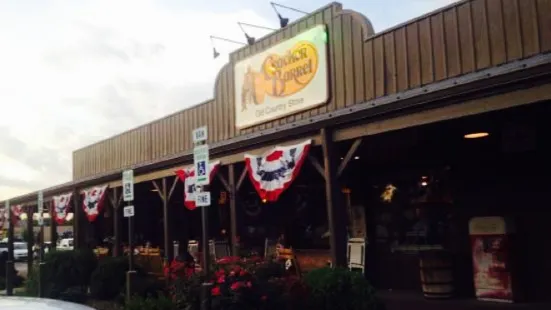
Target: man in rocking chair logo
{"type": "Point", "coordinates": [285, 79]}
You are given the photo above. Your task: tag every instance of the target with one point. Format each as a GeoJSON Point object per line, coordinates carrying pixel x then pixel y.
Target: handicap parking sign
{"type": "Point", "coordinates": [201, 162]}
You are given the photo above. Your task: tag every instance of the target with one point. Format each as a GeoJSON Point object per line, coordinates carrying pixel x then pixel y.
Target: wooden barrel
{"type": "Point", "coordinates": [436, 274]}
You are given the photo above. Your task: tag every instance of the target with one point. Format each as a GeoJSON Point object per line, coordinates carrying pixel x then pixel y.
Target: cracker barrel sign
{"type": "Point", "coordinates": [287, 78]}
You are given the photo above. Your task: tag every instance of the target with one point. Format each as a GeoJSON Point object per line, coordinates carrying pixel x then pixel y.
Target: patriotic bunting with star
{"type": "Point", "coordinates": [61, 207]}
{"type": "Point", "coordinates": [93, 201]}
{"type": "Point", "coordinates": [187, 176]}
{"type": "Point", "coordinates": [273, 172]}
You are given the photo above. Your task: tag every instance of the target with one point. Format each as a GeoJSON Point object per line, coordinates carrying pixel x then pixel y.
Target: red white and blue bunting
{"type": "Point", "coordinates": [93, 201]}
{"type": "Point", "coordinates": [187, 175]}
{"type": "Point", "coordinates": [61, 207]}
{"type": "Point", "coordinates": [16, 212]}
{"type": "Point", "coordinates": [273, 172]}
{"type": "Point", "coordinates": [3, 217]}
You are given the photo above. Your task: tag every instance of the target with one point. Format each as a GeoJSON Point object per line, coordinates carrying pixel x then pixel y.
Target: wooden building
{"type": "Point", "coordinates": [472, 57]}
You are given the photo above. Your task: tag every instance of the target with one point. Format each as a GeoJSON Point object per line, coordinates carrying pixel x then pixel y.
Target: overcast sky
{"type": "Point", "coordinates": [73, 72]}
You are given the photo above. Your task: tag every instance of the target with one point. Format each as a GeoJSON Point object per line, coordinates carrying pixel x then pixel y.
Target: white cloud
{"type": "Point", "coordinates": [74, 72]}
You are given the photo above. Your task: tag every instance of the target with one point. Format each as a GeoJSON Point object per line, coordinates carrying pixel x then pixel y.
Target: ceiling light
{"type": "Point", "coordinates": [356, 157]}
{"type": "Point", "coordinates": [476, 135]}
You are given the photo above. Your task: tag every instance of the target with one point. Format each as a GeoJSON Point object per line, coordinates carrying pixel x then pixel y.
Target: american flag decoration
{"type": "Point", "coordinates": [61, 207]}
{"type": "Point", "coordinates": [93, 201]}
{"type": "Point", "coordinates": [273, 172]}
{"type": "Point", "coordinates": [187, 176]}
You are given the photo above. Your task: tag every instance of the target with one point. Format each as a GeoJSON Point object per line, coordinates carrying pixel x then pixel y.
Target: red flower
{"type": "Point", "coordinates": [263, 298]}
{"type": "Point", "coordinates": [236, 286]}
{"type": "Point", "coordinates": [221, 279]}
{"type": "Point", "coordinates": [220, 272]}
{"type": "Point", "coordinates": [236, 269]}
{"type": "Point", "coordinates": [232, 273]}
{"type": "Point", "coordinates": [249, 284]}
{"type": "Point", "coordinates": [243, 273]}
{"type": "Point", "coordinates": [215, 291]}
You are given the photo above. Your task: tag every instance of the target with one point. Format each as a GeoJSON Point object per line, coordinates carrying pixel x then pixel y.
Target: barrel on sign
{"type": "Point", "coordinates": [436, 270]}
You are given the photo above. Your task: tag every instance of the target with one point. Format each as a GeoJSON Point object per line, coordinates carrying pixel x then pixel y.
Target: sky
{"type": "Point", "coordinates": [74, 72]}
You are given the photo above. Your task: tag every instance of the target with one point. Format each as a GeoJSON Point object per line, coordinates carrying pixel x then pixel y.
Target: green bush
{"type": "Point", "coordinates": [150, 303]}
{"type": "Point", "coordinates": [63, 271]}
{"type": "Point", "coordinates": [109, 278]}
{"type": "Point", "coordinates": [339, 288]}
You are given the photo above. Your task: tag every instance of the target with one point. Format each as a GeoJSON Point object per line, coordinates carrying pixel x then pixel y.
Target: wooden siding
{"type": "Point", "coordinates": [463, 38]}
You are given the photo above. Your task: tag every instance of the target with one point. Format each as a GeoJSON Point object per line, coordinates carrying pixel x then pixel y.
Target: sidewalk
{"type": "Point", "coordinates": [15, 291]}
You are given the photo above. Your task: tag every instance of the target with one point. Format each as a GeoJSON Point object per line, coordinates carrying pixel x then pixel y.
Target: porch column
{"type": "Point", "coordinates": [115, 200]}
{"type": "Point", "coordinates": [53, 226]}
{"type": "Point", "coordinates": [335, 208]}
{"type": "Point", "coordinates": [233, 213]}
{"type": "Point", "coordinates": [165, 194]}
{"type": "Point", "coordinates": [30, 231]}
{"type": "Point", "coordinates": [77, 227]}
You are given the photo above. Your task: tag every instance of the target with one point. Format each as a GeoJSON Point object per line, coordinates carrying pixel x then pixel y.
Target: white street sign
{"type": "Point", "coordinates": [128, 211]}
{"type": "Point", "coordinates": [202, 199]}
{"type": "Point", "coordinates": [40, 203]}
{"type": "Point", "coordinates": [200, 134]}
{"type": "Point", "coordinates": [128, 185]}
{"type": "Point", "coordinates": [201, 163]}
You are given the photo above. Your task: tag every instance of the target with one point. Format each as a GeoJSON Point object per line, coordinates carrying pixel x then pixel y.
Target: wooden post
{"type": "Point", "coordinates": [335, 209]}
{"type": "Point", "coordinates": [115, 200]}
{"type": "Point", "coordinates": [77, 227]}
{"type": "Point", "coordinates": [30, 242]}
{"type": "Point", "coordinates": [53, 226]}
{"type": "Point", "coordinates": [233, 213]}
{"type": "Point", "coordinates": [165, 196]}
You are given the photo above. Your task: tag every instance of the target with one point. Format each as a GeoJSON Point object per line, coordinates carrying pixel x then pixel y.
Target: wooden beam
{"type": "Point", "coordinates": [348, 156]}
{"type": "Point", "coordinates": [233, 209]}
{"type": "Point", "coordinates": [224, 182]}
{"type": "Point", "coordinates": [158, 189]}
{"type": "Point", "coordinates": [30, 230]}
{"type": "Point", "coordinates": [468, 108]}
{"type": "Point", "coordinates": [115, 202]}
{"type": "Point", "coordinates": [53, 225]}
{"type": "Point", "coordinates": [317, 165]}
{"type": "Point", "coordinates": [166, 217]}
{"type": "Point", "coordinates": [224, 160]}
{"type": "Point", "coordinates": [174, 182]}
{"type": "Point", "coordinates": [77, 219]}
{"type": "Point", "coordinates": [336, 213]}
{"type": "Point", "coordinates": [241, 179]}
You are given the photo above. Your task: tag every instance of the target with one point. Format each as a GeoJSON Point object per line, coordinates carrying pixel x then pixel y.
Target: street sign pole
{"type": "Point", "coordinates": [202, 199]}
{"type": "Point", "coordinates": [9, 262]}
{"type": "Point", "coordinates": [41, 264]}
{"type": "Point", "coordinates": [128, 212]}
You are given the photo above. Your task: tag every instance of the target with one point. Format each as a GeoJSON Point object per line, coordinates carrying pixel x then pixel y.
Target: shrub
{"type": "Point", "coordinates": [63, 271]}
{"type": "Point", "coordinates": [109, 278]}
{"type": "Point", "coordinates": [339, 288]}
{"type": "Point", "coordinates": [150, 303]}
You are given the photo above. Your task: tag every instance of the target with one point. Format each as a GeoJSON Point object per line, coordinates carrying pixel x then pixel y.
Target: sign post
{"type": "Point", "coordinates": [128, 212]}
{"type": "Point", "coordinates": [41, 264]}
{"type": "Point", "coordinates": [202, 199]}
{"type": "Point", "coordinates": [9, 262]}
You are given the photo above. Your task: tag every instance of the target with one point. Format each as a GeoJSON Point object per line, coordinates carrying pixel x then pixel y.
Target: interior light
{"type": "Point", "coordinates": [476, 135]}
{"type": "Point", "coordinates": [424, 183]}
{"type": "Point", "coordinates": [264, 201]}
{"type": "Point", "coordinates": [356, 157]}
{"type": "Point", "coordinates": [23, 216]}
{"type": "Point", "coordinates": [154, 190]}
{"type": "Point", "coordinates": [70, 216]}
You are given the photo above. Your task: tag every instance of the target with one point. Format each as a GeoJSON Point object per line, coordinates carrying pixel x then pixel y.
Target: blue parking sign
{"type": "Point", "coordinates": [201, 163]}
